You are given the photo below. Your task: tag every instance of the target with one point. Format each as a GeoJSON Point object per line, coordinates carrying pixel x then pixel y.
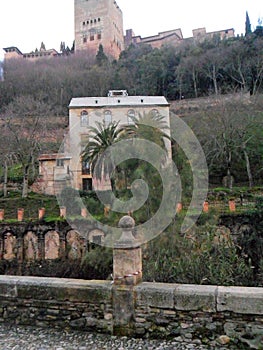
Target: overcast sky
{"type": "Point", "coordinates": [26, 23]}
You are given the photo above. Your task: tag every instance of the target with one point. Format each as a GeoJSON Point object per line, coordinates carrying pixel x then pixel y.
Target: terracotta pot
{"type": "Point", "coordinates": [63, 212]}
{"type": "Point", "coordinates": [2, 214]}
{"type": "Point", "coordinates": [232, 205]}
{"type": "Point", "coordinates": [106, 210]}
{"type": "Point", "coordinates": [179, 207]}
{"type": "Point", "coordinates": [84, 212]}
{"type": "Point", "coordinates": [206, 207]}
{"type": "Point", "coordinates": [20, 214]}
{"type": "Point", "coordinates": [41, 213]}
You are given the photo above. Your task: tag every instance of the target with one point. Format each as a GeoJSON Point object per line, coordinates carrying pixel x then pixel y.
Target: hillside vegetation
{"type": "Point", "coordinates": [214, 85]}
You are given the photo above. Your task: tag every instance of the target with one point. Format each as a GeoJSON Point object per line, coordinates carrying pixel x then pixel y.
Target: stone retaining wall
{"type": "Point", "coordinates": [59, 303]}
{"type": "Point", "coordinates": [196, 311]}
{"type": "Point", "coordinates": [26, 242]}
{"type": "Point", "coordinates": [186, 312]}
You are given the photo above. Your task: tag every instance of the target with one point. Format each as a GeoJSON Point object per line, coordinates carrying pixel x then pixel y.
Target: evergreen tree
{"type": "Point", "coordinates": [101, 57]}
{"type": "Point", "coordinates": [42, 47]}
{"type": "Point", "coordinates": [248, 25]}
{"type": "Point", "coordinates": [62, 46]}
{"type": "Point", "coordinates": [73, 46]}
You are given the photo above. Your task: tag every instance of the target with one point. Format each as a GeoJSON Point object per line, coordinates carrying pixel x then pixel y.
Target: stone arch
{"type": "Point", "coordinates": [74, 244]}
{"type": "Point", "coordinates": [52, 245]}
{"type": "Point", "coordinates": [30, 246]}
{"type": "Point", "coordinates": [9, 245]}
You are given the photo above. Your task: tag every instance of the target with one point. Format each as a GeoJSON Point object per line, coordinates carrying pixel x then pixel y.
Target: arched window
{"type": "Point", "coordinates": [107, 117]}
{"type": "Point", "coordinates": [154, 112]}
{"type": "Point", "coordinates": [131, 116]}
{"type": "Point", "coordinates": [84, 118]}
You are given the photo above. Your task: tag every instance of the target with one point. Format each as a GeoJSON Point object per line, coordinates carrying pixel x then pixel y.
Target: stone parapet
{"type": "Point", "coordinates": [188, 312]}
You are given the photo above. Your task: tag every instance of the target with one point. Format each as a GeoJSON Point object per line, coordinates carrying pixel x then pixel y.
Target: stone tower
{"type": "Point", "coordinates": [99, 22]}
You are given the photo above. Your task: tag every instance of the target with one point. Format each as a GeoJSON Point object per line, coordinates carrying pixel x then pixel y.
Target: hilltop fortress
{"type": "Point", "coordinates": [101, 22]}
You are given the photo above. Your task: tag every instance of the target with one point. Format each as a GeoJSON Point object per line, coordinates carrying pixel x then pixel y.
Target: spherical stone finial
{"type": "Point", "coordinates": [126, 222]}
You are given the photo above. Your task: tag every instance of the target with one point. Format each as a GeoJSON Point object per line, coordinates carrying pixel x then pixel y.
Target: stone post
{"type": "Point", "coordinates": [127, 255]}
{"type": "Point", "coordinates": [41, 245]}
{"type": "Point", "coordinates": [127, 272]}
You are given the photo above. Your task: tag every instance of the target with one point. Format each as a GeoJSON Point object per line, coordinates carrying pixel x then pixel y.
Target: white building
{"type": "Point", "coordinates": [84, 112]}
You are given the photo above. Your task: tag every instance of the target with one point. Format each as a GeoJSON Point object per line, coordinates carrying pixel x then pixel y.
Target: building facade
{"type": "Point", "coordinates": [84, 112]}
{"type": "Point", "coordinates": [53, 173]}
{"type": "Point", "coordinates": [99, 22]}
{"type": "Point", "coordinates": [14, 52]}
{"type": "Point", "coordinates": [68, 169]}
{"type": "Point", "coordinates": [175, 37]}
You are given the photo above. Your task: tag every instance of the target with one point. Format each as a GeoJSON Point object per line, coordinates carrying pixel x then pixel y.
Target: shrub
{"type": "Point", "coordinates": [198, 258]}
{"type": "Point", "coordinates": [97, 263]}
{"type": "Point", "coordinates": [259, 203]}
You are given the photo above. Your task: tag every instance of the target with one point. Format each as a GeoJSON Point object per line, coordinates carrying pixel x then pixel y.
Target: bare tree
{"type": "Point", "coordinates": [227, 133]}
{"type": "Point", "coordinates": [25, 120]}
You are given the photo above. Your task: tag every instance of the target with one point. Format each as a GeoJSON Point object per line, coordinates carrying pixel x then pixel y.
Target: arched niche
{"type": "Point", "coordinates": [75, 245]}
{"type": "Point", "coordinates": [52, 245]}
{"type": "Point", "coordinates": [31, 251]}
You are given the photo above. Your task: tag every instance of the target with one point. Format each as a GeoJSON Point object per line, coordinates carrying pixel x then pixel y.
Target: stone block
{"type": "Point", "coordinates": [63, 290]}
{"type": "Point", "coordinates": [241, 300]}
{"type": "Point", "coordinates": [123, 306]}
{"type": "Point", "coordinates": [156, 295]}
{"type": "Point", "coordinates": [8, 287]}
{"type": "Point", "coordinates": [127, 266]}
{"type": "Point", "coordinates": [195, 297]}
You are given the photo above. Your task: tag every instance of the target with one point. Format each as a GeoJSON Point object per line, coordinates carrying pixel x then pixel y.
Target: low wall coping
{"type": "Point", "coordinates": [184, 297]}
{"type": "Point", "coordinates": [243, 300]}
{"type": "Point", "coordinates": [208, 298]}
{"type": "Point", "coordinates": [60, 289]}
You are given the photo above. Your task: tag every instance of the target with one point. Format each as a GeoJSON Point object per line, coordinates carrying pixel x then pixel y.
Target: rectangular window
{"type": "Point", "coordinates": [60, 162]}
{"type": "Point", "coordinates": [84, 40]}
{"type": "Point", "coordinates": [85, 168]}
{"type": "Point", "coordinates": [99, 36]}
{"type": "Point", "coordinates": [91, 37]}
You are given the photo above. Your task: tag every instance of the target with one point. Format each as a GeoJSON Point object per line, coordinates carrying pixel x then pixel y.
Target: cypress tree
{"type": "Point", "coordinates": [248, 25]}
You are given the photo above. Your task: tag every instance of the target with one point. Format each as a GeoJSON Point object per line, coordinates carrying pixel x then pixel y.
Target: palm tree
{"type": "Point", "coordinates": [98, 152]}
{"type": "Point", "coordinates": [152, 127]}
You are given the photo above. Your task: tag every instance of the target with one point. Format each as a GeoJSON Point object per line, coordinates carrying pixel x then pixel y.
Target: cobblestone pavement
{"type": "Point", "coordinates": [31, 338]}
